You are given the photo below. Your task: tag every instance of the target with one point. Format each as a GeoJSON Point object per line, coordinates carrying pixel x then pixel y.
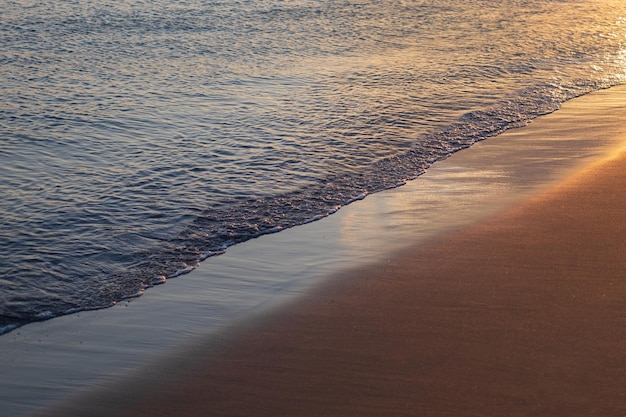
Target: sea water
{"type": "Point", "coordinates": [139, 137]}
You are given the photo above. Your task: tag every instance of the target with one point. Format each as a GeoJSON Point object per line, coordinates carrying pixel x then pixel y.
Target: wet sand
{"type": "Point", "coordinates": [520, 314]}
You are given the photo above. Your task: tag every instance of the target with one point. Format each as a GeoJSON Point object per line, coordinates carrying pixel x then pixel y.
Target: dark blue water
{"type": "Point", "coordinates": [137, 138]}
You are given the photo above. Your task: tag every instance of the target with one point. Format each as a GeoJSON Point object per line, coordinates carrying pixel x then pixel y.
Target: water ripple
{"type": "Point", "coordinates": [137, 139]}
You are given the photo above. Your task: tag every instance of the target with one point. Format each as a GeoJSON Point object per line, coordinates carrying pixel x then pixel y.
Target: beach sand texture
{"type": "Point", "coordinates": [520, 314]}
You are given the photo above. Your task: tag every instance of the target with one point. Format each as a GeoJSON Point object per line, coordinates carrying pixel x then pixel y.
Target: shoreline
{"type": "Point", "coordinates": [526, 321]}
{"type": "Point", "coordinates": [343, 241]}
{"type": "Point", "coordinates": [523, 320]}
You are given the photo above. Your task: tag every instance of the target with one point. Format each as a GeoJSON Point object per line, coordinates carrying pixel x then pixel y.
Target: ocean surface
{"type": "Point", "coordinates": [138, 138]}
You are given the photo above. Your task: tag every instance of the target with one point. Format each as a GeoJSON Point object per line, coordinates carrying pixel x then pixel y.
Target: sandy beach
{"type": "Point", "coordinates": [519, 314]}
{"type": "Point", "coordinates": [313, 208]}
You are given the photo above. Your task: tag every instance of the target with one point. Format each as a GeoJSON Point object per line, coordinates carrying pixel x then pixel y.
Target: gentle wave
{"type": "Point", "coordinates": [139, 139]}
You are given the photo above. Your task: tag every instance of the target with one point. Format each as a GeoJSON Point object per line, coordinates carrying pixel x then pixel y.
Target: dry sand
{"type": "Point", "coordinates": [521, 314]}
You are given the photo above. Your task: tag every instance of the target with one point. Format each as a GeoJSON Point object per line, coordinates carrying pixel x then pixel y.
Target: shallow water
{"type": "Point", "coordinates": [137, 138]}
{"type": "Point", "coordinates": [50, 363]}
